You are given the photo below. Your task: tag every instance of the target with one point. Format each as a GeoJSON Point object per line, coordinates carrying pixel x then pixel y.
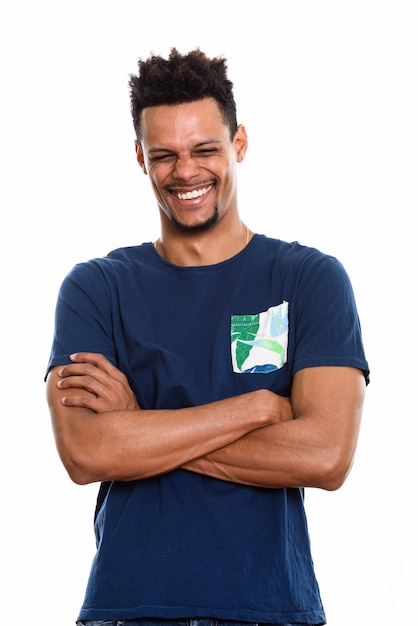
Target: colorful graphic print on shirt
{"type": "Point", "coordinates": [259, 342]}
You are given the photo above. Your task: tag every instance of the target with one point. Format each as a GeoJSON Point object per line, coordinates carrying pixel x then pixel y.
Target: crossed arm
{"type": "Point", "coordinates": [258, 438]}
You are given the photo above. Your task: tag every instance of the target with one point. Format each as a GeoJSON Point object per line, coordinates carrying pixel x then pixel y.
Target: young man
{"type": "Point", "coordinates": [204, 380]}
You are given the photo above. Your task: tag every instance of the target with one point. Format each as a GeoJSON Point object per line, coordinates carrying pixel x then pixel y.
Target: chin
{"type": "Point", "coordinates": [196, 228]}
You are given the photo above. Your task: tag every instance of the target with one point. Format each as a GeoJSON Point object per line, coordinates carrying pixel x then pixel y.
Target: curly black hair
{"type": "Point", "coordinates": [182, 78]}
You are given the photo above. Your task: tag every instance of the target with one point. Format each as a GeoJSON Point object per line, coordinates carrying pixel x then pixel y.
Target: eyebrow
{"type": "Point", "coordinates": [198, 145]}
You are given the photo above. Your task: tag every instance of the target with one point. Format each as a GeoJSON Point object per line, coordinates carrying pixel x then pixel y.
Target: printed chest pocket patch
{"type": "Point", "coordinates": [259, 342]}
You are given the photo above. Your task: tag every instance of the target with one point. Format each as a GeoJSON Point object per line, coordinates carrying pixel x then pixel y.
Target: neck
{"type": "Point", "coordinates": [205, 248]}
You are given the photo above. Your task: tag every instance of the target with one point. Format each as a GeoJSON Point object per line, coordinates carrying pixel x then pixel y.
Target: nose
{"type": "Point", "coordinates": [185, 168]}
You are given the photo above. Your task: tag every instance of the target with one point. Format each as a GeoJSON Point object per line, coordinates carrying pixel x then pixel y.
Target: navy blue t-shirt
{"type": "Point", "coordinates": [183, 544]}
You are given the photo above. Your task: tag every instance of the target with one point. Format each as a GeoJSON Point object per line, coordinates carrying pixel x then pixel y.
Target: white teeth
{"type": "Point", "coordinates": [189, 195]}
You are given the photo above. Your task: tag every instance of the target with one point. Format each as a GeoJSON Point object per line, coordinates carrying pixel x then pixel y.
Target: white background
{"type": "Point", "coordinates": [328, 93]}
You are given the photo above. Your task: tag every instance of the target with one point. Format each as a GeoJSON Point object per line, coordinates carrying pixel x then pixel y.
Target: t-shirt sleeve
{"type": "Point", "coordinates": [326, 322]}
{"type": "Point", "coordinates": [82, 316]}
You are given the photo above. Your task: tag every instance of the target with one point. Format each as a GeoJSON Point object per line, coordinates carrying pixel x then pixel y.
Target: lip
{"type": "Point", "coordinates": [193, 194]}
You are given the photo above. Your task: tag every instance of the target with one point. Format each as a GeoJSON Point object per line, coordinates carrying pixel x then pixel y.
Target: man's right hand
{"type": "Point", "coordinates": [95, 384]}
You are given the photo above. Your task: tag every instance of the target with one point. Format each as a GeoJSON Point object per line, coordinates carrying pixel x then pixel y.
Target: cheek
{"type": "Point", "coordinates": [158, 191]}
{"type": "Point", "coordinates": [230, 176]}
{"type": "Point", "coordinates": [156, 188]}
{"type": "Point", "coordinates": [155, 178]}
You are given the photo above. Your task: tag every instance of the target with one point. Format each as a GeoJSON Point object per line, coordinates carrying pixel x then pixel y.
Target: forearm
{"type": "Point", "coordinates": [97, 445]}
{"type": "Point", "coordinates": [315, 449]}
{"type": "Point", "coordinates": [124, 445]}
{"type": "Point", "coordinates": [258, 438]}
{"type": "Point", "coordinates": [280, 455]}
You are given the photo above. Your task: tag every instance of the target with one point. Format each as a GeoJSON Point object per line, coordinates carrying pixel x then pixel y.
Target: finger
{"type": "Point", "coordinates": [75, 369]}
{"type": "Point", "coordinates": [95, 374]}
{"type": "Point", "coordinates": [98, 360]}
{"type": "Point", "coordinates": [94, 358]}
{"type": "Point", "coordinates": [83, 369]}
{"type": "Point", "coordinates": [87, 402]}
{"type": "Point", "coordinates": [92, 385]}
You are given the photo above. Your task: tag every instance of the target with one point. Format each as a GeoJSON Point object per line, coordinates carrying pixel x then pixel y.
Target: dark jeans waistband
{"type": "Point", "coordinates": [145, 621]}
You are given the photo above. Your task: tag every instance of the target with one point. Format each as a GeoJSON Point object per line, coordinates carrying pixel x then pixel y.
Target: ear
{"type": "Point", "coordinates": [241, 143]}
{"type": "Point", "coordinates": [140, 157]}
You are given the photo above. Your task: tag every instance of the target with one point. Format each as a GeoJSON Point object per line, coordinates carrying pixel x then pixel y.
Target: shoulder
{"type": "Point", "coordinates": [117, 262]}
{"type": "Point", "coordinates": [291, 249]}
{"type": "Point", "coordinates": [296, 257]}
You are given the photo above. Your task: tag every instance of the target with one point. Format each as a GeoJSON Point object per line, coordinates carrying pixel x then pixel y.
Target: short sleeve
{"type": "Point", "coordinates": [326, 322]}
{"type": "Point", "coordinates": [83, 315]}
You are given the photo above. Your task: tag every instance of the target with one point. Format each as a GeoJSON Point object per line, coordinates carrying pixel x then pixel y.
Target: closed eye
{"type": "Point", "coordinates": [162, 157]}
{"type": "Point", "coordinates": [206, 151]}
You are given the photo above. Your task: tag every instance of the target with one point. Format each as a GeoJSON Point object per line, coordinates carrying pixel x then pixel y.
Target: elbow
{"type": "Point", "coordinates": [85, 466]}
{"type": "Point", "coordinates": [334, 471]}
{"type": "Point", "coordinates": [79, 476]}
{"type": "Point", "coordinates": [83, 462]}
{"type": "Point", "coordinates": [333, 481]}
{"type": "Point", "coordinates": [80, 471]}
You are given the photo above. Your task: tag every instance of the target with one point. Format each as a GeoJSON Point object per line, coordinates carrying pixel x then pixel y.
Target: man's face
{"type": "Point", "coordinates": [187, 152]}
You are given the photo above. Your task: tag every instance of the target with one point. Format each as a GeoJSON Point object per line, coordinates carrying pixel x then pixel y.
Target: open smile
{"type": "Point", "coordinates": [191, 195]}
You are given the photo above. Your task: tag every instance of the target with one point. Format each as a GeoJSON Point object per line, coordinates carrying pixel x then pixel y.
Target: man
{"type": "Point", "coordinates": [204, 380]}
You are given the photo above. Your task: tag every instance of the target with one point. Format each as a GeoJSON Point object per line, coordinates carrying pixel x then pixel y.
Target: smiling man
{"type": "Point", "coordinates": [204, 380]}
{"type": "Point", "coordinates": [190, 156]}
